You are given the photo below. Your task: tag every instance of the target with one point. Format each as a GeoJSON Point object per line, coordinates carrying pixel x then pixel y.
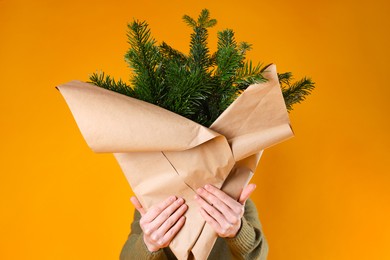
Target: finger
{"type": "Point", "coordinates": [214, 224]}
{"type": "Point", "coordinates": [167, 238]}
{"type": "Point", "coordinates": [211, 221]}
{"type": "Point", "coordinates": [213, 212]}
{"type": "Point", "coordinates": [225, 229]}
{"type": "Point", "coordinates": [165, 214]}
{"type": "Point", "coordinates": [156, 210]}
{"type": "Point", "coordinates": [137, 205]}
{"type": "Point", "coordinates": [229, 201]}
{"type": "Point", "coordinates": [246, 192]}
{"type": "Point", "coordinates": [168, 224]}
{"type": "Point", "coordinates": [217, 203]}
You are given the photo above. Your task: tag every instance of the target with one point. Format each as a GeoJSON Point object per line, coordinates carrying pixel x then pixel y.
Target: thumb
{"type": "Point", "coordinates": [137, 205]}
{"type": "Point", "coordinates": [246, 192]}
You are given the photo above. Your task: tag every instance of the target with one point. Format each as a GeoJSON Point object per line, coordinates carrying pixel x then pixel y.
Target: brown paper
{"type": "Point", "coordinates": [162, 153]}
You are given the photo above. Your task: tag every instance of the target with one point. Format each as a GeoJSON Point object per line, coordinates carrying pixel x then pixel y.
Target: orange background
{"type": "Point", "coordinates": [321, 195]}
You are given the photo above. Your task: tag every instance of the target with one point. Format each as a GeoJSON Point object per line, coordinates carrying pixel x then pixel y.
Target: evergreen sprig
{"type": "Point", "coordinates": [144, 58]}
{"type": "Point", "coordinates": [107, 82]}
{"type": "Point", "coordinates": [294, 92]}
{"type": "Point", "coordinates": [200, 85]}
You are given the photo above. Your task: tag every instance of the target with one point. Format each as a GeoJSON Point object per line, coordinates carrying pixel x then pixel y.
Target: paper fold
{"type": "Point", "coordinates": [111, 122]}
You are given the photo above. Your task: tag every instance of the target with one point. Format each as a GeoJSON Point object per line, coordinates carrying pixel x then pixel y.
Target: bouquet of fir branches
{"type": "Point", "coordinates": [185, 120]}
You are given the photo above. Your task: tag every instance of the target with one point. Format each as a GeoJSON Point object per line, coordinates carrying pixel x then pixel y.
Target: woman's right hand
{"type": "Point", "coordinates": [162, 222]}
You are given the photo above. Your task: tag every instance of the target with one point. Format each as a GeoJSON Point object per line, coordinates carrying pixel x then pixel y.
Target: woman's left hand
{"type": "Point", "coordinates": [220, 211]}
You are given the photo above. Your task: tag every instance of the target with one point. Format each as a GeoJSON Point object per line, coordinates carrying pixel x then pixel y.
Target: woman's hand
{"type": "Point", "coordinates": [220, 211]}
{"type": "Point", "coordinates": [161, 222]}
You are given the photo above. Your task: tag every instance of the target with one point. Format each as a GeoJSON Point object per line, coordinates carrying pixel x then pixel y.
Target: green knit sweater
{"type": "Point", "coordinates": [249, 243]}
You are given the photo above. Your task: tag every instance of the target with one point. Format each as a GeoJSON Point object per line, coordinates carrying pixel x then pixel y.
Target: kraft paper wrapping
{"type": "Point", "coordinates": [162, 153]}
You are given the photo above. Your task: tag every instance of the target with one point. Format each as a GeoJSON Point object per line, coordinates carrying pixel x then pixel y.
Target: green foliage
{"type": "Point", "coordinates": [294, 92]}
{"type": "Point", "coordinates": [109, 83]}
{"type": "Point", "coordinates": [144, 58]}
{"type": "Point", "coordinates": [200, 85]}
{"type": "Point", "coordinates": [171, 54]}
{"type": "Point", "coordinates": [249, 74]}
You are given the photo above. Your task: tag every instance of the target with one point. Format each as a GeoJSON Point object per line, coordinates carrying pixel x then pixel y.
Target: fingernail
{"type": "Point", "coordinates": [180, 200]}
{"type": "Point", "coordinates": [196, 197]}
{"type": "Point", "coordinates": [207, 186]}
{"type": "Point", "coordinates": [199, 190]}
{"type": "Point", "coordinates": [172, 198]}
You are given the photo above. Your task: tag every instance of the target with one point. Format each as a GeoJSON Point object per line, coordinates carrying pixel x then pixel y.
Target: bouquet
{"type": "Point", "coordinates": [186, 120]}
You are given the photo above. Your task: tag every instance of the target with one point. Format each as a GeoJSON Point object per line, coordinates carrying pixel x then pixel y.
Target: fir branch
{"type": "Point", "coordinates": [204, 19]}
{"type": "Point", "coordinates": [107, 82]}
{"type": "Point", "coordinates": [228, 56]}
{"type": "Point", "coordinates": [296, 92]}
{"type": "Point", "coordinates": [228, 61]}
{"type": "Point", "coordinates": [189, 21]}
{"type": "Point", "coordinates": [244, 47]}
{"type": "Point", "coordinates": [248, 75]}
{"type": "Point", "coordinates": [199, 52]}
{"type": "Point", "coordinates": [284, 78]}
{"type": "Point", "coordinates": [144, 59]}
{"type": "Point", "coordinates": [200, 62]}
{"type": "Point", "coordinates": [170, 53]}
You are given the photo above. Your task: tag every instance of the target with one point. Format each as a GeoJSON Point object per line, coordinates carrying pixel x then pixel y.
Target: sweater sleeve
{"type": "Point", "coordinates": [250, 242]}
{"type": "Point", "coordinates": [135, 247]}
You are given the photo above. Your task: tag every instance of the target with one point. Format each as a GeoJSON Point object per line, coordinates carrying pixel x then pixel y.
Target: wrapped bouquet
{"type": "Point", "coordinates": [186, 120]}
